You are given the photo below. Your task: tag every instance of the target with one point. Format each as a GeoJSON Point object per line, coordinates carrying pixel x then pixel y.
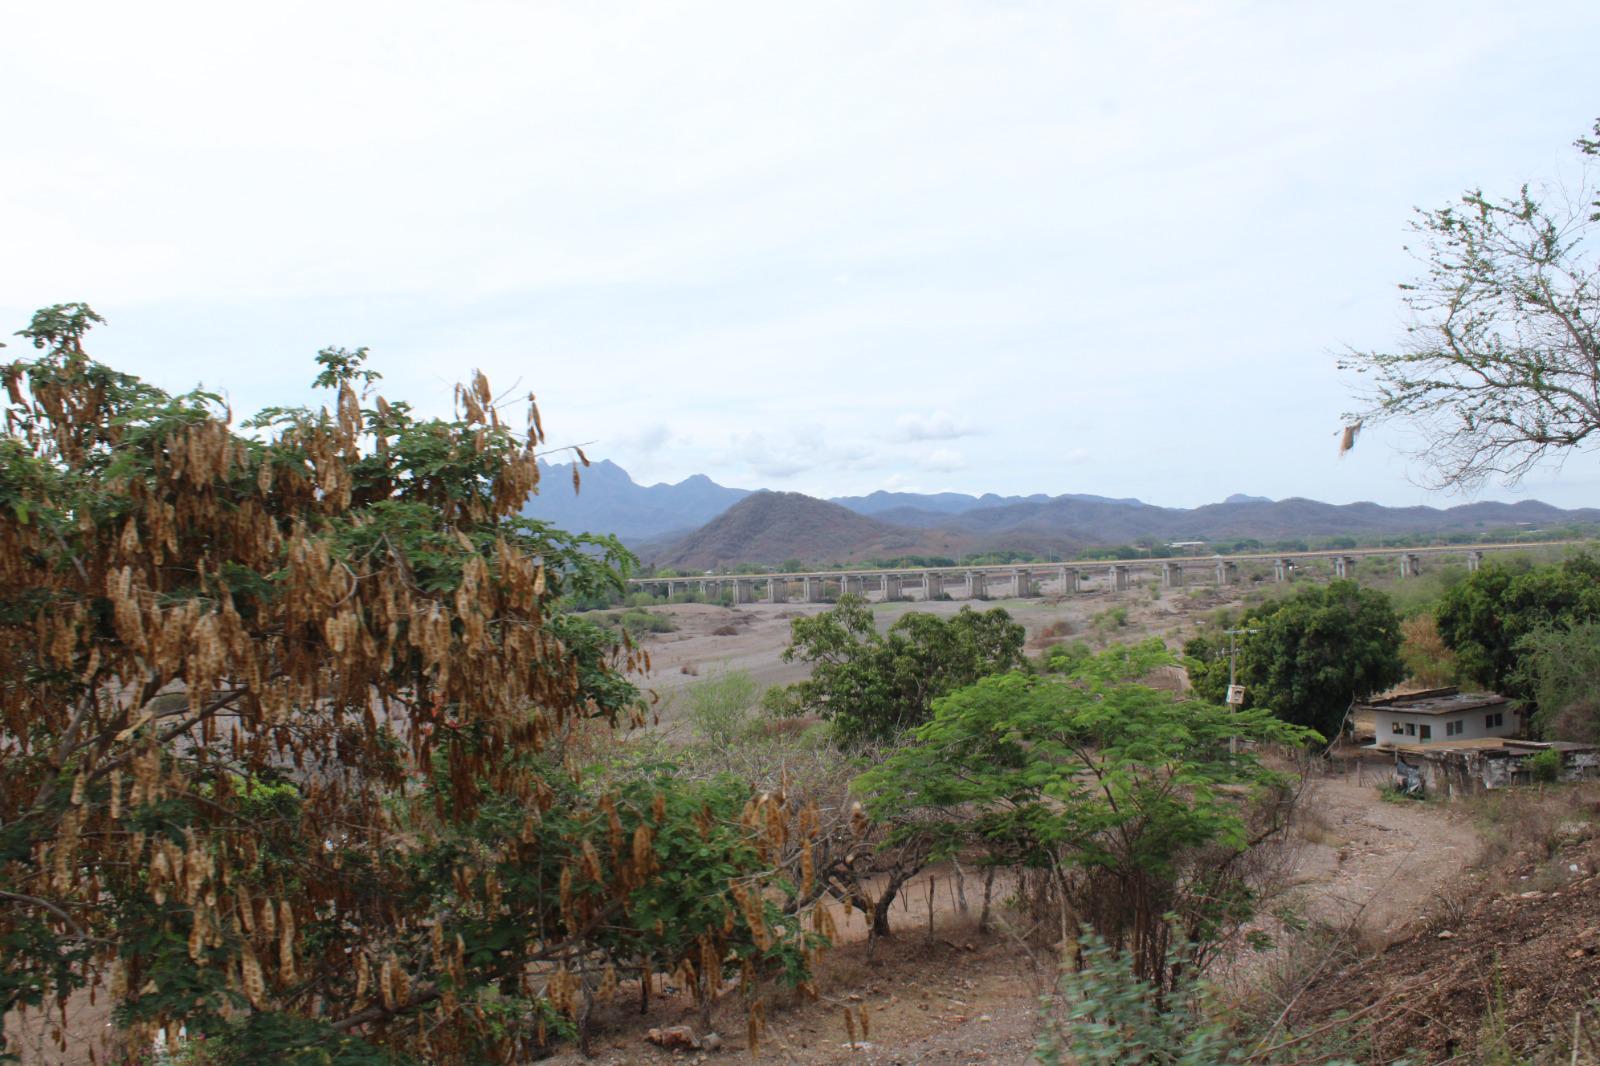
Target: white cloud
{"type": "Point", "coordinates": [806, 451]}
{"type": "Point", "coordinates": [938, 425]}
{"type": "Point", "coordinates": [832, 231]}
{"type": "Point", "coordinates": [942, 461]}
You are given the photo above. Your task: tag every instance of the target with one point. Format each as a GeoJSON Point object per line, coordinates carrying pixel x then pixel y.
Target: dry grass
{"type": "Point", "coordinates": [1527, 826]}
{"type": "Point", "coordinates": [1312, 826]}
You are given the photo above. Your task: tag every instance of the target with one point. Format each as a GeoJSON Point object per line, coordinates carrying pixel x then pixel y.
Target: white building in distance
{"type": "Point", "coordinates": [1441, 717]}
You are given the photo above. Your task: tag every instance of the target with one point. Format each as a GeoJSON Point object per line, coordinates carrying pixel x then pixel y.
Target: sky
{"type": "Point", "coordinates": [823, 247]}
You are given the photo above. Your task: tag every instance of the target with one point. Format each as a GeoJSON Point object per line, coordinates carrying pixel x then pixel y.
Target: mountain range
{"type": "Point", "coordinates": [700, 524]}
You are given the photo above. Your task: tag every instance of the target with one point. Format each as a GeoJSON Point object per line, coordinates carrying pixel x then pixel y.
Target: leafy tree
{"type": "Point", "coordinates": [1310, 655]}
{"type": "Point", "coordinates": [1485, 618]}
{"type": "Point", "coordinates": [1560, 669]}
{"type": "Point", "coordinates": [874, 686]}
{"type": "Point", "coordinates": [1498, 369]}
{"type": "Point", "coordinates": [1129, 796]}
{"type": "Point", "coordinates": [272, 707]}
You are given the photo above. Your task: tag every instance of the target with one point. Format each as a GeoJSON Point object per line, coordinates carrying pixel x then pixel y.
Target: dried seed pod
{"type": "Point", "coordinates": [386, 983]}
{"type": "Point", "coordinates": [644, 855]}
{"type": "Point", "coordinates": [255, 983]}
{"type": "Point", "coordinates": [286, 966]}
{"type": "Point", "coordinates": [197, 940]}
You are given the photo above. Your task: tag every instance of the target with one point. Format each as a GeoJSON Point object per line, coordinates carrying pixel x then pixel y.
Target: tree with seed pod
{"type": "Point", "coordinates": [280, 714]}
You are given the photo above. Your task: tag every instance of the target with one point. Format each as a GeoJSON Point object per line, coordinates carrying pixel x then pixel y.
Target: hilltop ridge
{"type": "Point", "coordinates": [772, 527]}
{"type": "Point", "coordinates": [683, 525]}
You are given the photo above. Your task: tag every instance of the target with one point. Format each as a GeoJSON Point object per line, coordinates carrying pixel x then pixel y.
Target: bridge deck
{"type": "Point", "coordinates": [1142, 562]}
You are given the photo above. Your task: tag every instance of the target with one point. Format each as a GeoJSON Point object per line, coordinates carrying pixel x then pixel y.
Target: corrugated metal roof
{"type": "Point", "coordinates": [1435, 701]}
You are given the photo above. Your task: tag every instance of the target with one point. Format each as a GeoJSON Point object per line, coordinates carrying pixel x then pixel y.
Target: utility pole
{"type": "Point", "coordinates": [1235, 691]}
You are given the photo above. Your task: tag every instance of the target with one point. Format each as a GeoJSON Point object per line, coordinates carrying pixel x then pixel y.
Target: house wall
{"type": "Point", "coordinates": [1473, 725]}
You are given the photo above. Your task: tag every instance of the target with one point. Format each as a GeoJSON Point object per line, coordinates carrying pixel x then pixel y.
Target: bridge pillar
{"type": "Point", "coordinates": [777, 589]}
{"type": "Point", "coordinates": [1117, 578]}
{"type": "Point", "coordinates": [1410, 565]}
{"type": "Point", "coordinates": [1172, 575]}
{"type": "Point", "coordinates": [1344, 566]}
{"type": "Point", "coordinates": [1226, 572]}
{"type": "Point", "coordinates": [1021, 585]}
{"type": "Point", "coordinates": [1474, 562]}
{"type": "Point", "coordinates": [977, 585]}
{"type": "Point", "coordinates": [1282, 570]}
{"type": "Point", "coordinates": [744, 590]}
{"type": "Point", "coordinates": [1068, 577]}
{"type": "Point", "coordinates": [813, 589]}
{"type": "Point", "coordinates": [932, 586]}
{"type": "Point", "coordinates": [850, 585]}
{"type": "Point", "coordinates": [891, 588]}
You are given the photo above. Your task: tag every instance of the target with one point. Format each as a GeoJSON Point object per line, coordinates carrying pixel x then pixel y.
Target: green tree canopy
{"type": "Point", "coordinates": [1560, 668]}
{"type": "Point", "coordinates": [1310, 655]}
{"type": "Point", "coordinates": [1093, 772]}
{"type": "Point", "coordinates": [874, 686]}
{"type": "Point", "coordinates": [1485, 618]}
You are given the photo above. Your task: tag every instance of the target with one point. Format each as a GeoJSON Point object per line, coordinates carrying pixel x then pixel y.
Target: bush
{"type": "Point", "coordinates": [1064, 658]}
{"type": "Point", "coordinates": [637, 622]}
{"type": "Point", "coordinates": [719, 707]}
{"type": "Point", "coordinates": [1545, 766]}
{"type": "Point", "coordinates": [1108, 1014]}
{"type": "Point", "coordinates": [1105, 1013]}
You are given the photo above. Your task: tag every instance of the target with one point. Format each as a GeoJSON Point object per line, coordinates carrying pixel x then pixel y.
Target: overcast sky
{"type": "Point", "coordinates": [827, 247]}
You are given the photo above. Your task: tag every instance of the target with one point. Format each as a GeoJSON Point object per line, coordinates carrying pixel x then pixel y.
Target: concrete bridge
{"type": "Point", "coordinates": [1058, 579]}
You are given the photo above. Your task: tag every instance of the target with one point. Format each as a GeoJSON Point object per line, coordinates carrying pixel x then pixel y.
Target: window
{"type": "Point", "coordinates": [1397, 728]}
{"type": "Point", "coordinates": [1424, 732]}
{"type": "Point", "coordinates": [1494, 721]}
{"type": "Point", "coordinates": [1454, 729]}
{"type": "Point", "coordinates": [1411, 729]}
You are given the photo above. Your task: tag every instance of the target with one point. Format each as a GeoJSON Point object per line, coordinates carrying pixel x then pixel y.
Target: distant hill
{"type": "Point", "coordinates": [609, 501]}
{"type": "Point", "coordinates": [682, 521]}
{"type": "Point", "coordinates": [773, 527]}
{"type": "Point", "coordinates": [1114, 523]}
{"type": "Point", "coordinates": [886, 503]}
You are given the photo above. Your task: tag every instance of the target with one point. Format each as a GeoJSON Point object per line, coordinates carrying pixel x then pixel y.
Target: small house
{"type": "Point", "coordinates": [1441, 715]}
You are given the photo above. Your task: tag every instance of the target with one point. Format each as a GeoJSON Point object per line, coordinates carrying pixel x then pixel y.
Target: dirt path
{"type": "Point", "coordinates": [956, 997]}
{"type": "Point", "coordinates": [1381, 862]}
